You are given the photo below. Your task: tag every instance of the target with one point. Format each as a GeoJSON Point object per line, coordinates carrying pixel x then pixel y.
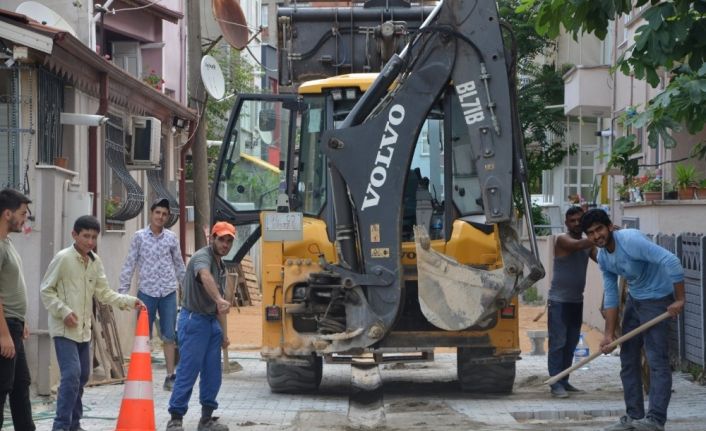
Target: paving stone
{"type": "Point", "coordinates": [421, 396]}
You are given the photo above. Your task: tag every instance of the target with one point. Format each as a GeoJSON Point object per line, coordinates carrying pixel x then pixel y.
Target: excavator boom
{"type": "Point", "coordinates": [460, 45]}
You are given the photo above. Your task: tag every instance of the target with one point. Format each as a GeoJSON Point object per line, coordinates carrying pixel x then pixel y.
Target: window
{"type": "Point", "coordinates": [256, 146]}
{"type": "Point", "coordinates": [51, 101]}
{"type": "Point", "coordinates": [9, 128]}
{"type": "Point", "coordinates": [311, 172]}
{"type": "Point", "coordinates": [128, 56]}
{"type": "Point", "coordinates": [264, 16]}
{"type": "Point", "coordinates": [579, 176]}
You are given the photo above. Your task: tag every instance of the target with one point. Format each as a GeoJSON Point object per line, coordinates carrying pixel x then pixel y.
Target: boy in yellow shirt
{"type": "Point", "coordinates": [75, 276]}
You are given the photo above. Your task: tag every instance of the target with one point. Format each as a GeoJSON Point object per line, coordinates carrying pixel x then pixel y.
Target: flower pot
{"type": "Point", "coordinates": [686, 193]}
{"type": "Point", "coordinates": [652, 196]}
{"type": "Point", "coordinates": [61, 162]}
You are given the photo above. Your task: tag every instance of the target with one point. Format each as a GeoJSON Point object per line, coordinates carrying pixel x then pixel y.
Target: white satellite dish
{"type": "Point", "coordinates": [212, 77]}
{"type": "Point", "coordinates": [44, 15]}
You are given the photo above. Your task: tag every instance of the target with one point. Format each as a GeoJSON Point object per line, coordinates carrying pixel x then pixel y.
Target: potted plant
{"type": "Point", "coordinates": [652, 189]}
{"type": "Point", "coordinates": [153, 80]}
{"type": "Point", "coordinates": [111, 206]}
{"type": "Point", "coordinates": [685, 181]}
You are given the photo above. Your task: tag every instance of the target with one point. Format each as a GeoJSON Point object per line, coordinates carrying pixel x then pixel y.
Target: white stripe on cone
{"type": "Point", "coordinates": [141, 344]}
{"type": "Point", "coordinates": [138, 390]}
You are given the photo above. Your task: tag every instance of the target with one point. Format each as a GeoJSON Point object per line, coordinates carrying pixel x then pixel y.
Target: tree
{"type": "Point", "coordinates": [540, 86]}
{"type": "Point", "coordinates": [669, 45]}
{"type": "Point", "coordinates": [238, 75]}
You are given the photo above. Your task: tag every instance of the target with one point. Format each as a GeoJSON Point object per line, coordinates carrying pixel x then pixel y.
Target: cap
{"type": "Point", "coordinates": [223, 228]}
{"type": "Point", "coordinates": [160, 202]}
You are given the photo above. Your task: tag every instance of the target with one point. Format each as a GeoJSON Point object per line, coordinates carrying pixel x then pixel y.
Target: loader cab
{"type": "Point", "coordinates": [272, 147]}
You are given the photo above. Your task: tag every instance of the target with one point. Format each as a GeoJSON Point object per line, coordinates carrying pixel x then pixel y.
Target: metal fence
{"type": "Point", "coordinates": [688, 333]}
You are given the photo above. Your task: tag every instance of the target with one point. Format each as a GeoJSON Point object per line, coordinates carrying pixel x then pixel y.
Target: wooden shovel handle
{"type": "Point", "coordinates": [624, 338]}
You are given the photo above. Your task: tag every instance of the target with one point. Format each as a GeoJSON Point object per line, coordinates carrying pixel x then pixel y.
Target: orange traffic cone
{"type": "Point", "coordinates": [137, 408]}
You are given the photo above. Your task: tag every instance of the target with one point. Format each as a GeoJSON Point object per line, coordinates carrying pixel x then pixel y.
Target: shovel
{"type": "Point", "coordinates": [624, 338]}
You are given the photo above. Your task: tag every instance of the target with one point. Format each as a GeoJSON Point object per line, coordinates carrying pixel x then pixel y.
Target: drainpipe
{"type": "Point", "coordinates": [93, 143]}
{"type": "Point", "coordinates": [182, 189]}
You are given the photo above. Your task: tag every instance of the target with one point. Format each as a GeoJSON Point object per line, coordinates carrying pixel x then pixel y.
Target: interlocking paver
{"type": "Point", "coordinates": [418, 396]}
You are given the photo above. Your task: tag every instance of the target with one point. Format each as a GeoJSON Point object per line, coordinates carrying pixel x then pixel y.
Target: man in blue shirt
{"type": "Point", "coordinates": [656, 284]}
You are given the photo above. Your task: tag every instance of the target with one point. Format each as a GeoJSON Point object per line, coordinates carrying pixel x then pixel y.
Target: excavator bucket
{"type": "Point", "coordinates": [454, 296]}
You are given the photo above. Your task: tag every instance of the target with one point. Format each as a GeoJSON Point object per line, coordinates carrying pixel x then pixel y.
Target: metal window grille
{"type": "Point", "coordinates": [51, 101]}
{"type": "Point", "coordinates": [134, 200]}
{"type": "Point", "coordinates": [10, 128]}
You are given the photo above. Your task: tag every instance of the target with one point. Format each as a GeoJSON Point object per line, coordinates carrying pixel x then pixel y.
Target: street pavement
{"type": "Point", "coordinates": [417, 396]}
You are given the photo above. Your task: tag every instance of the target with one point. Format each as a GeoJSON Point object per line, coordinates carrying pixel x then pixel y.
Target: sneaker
{"type": "Point", "coordinates": [624, 424]}
{"type": "Point", "coordinates": [647, 424]}
{"type": "Point", "coordinates": [169, 382]}
{"type": "Point", "coordinates": [571, 388]}
{"type": "Point", "coordinates": [211, 425]}
{"type": "Point", "coordinates": [558, 391]}
{"type": "Point", "coordinates": [175, 425]}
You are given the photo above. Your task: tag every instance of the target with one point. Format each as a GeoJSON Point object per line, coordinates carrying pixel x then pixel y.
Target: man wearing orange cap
{"type": "Point", "coordinates": [203, 313]}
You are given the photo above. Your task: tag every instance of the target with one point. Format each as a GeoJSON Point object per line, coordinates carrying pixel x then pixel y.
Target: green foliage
{"type": "Point", "coordinates": [212, 153]}
{"type": "Point", "coordinates": [542, 86]}
{"type": "Point", "coordinates": [672, 38]}
{"type": "Point", "coordinates": [685, 176]}
{"type": "Point", "coordinates": [259, 186]}
{"type": "Point", "coordinates": [539, 218]}
{"type": "Point", "coordinates": [621, 157]}
{"type": "Point", "coordinates": [654, 185]}
{"type": "Point", "coordinates": [532, 296]}
{"type": "Point", "coordinates": [238, 75]}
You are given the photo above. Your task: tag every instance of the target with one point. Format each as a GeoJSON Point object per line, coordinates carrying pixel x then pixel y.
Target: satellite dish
{"type": "Point", "coordinates": [212, 77]}
{"type": "Point", "coordinates": [231, 20]}
{"type": "Point", "coordinates": [44, 15]}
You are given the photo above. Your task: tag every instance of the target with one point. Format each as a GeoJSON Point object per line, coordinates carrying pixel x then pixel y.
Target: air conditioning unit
{"type": "Point", "coordinates": [146, 143]}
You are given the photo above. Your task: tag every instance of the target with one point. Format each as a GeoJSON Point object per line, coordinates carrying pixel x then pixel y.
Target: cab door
{"type": "Point", "coordinates": [252, 167]}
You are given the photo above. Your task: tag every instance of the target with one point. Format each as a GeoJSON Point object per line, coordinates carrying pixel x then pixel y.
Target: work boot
{"type": "Point", "coordinates": [211, 424]}
{"type": "Point", "coordinates": [169, 383]}
{"type": "Point", "coordinates": [175, 425]}
{"type": "Point", "coordinates": [647, 424]}
{"type": "Point", "coordinates": [558, 391]}
{"type": "Point", "coordinates": [571, 388]}
{"type": "Point", "coordinates": [626, 423]}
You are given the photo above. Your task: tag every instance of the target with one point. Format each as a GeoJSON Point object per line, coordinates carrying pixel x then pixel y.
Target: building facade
{"type": "Point", "coordinates": [85, 130]}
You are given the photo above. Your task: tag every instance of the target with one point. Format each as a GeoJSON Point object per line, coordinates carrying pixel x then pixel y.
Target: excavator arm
{"type": "Point", "coordinates": [369, 155]}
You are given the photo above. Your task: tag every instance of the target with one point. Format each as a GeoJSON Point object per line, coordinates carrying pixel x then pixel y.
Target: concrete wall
{"type": "Point", "coordinates": [669, 216]}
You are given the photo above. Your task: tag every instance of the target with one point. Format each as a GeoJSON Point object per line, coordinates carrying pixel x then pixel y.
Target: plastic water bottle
{"type": "Point", "coordinates": [581, 352]}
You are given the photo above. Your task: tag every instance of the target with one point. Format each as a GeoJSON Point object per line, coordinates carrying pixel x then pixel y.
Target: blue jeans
{"type": "Point", "coordinates": [200, 339]}
{"type": "Point", "coordinates": [74, 366]}
{"type": "Point", "coordinates": [564, 328]}
{"type": "Point", "coordinates": [166, 307]}
{"type": "Point", "coordinates": [656, 342]}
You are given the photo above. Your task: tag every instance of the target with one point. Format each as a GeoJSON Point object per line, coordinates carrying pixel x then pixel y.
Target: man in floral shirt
{"type": "Point", "coordinates": [156, 253]}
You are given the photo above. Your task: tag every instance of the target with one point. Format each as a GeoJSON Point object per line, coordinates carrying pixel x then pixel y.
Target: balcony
{"type": "Point", "coordinates": [587, 91]}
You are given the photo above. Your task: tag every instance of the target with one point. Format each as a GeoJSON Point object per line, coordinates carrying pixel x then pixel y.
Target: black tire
{"type": "Point", "coordinates": [295, 379]}
{"type": "Point", "coordinates": [493, 378]}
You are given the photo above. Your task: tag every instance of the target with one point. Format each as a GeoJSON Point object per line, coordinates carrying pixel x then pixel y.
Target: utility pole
{"type": "Point", "coordinates": [197, 101]}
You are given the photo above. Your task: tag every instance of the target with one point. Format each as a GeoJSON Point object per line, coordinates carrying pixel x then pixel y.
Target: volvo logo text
{"type": "Point", "coordinates": [382, 161]}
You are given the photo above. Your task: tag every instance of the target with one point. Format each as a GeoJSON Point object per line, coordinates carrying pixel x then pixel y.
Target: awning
{"type": "Point", "coordinates": [155, 9]}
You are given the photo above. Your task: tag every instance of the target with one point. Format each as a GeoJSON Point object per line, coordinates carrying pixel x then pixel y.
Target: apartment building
{"type": "Point", "coordinates": [595, 98]}
{"type": "Point", "coordinates": [92, 119]}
